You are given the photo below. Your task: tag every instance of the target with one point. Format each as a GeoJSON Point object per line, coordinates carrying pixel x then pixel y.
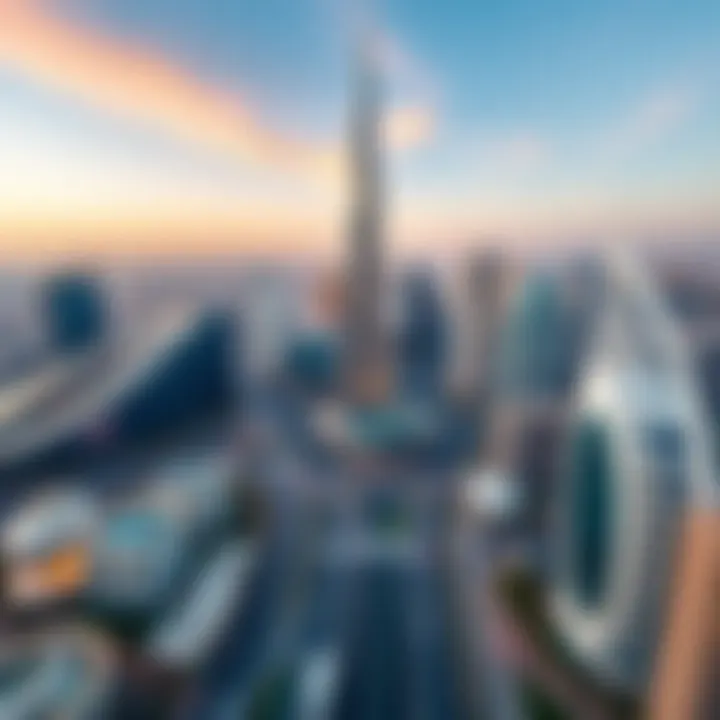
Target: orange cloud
{"type": "Point", "coordinates": [408, 128]}
{"type": "Point", "coordinates": [140, 84]}
{"type": "Point", "coordinates": [137, 83]}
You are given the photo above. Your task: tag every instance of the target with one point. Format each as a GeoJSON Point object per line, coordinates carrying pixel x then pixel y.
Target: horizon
{"type": "Point", "coordinates": [130, 128]}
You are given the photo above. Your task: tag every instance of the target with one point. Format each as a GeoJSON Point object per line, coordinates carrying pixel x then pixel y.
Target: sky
{"type": "Point", "coordinates": [210, 126]}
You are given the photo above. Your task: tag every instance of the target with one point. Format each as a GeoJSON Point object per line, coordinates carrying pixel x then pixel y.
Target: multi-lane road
{"type": "Point", "coordinates": [350, 598]}
{"type": "Point", "coordinates": [373, 635]}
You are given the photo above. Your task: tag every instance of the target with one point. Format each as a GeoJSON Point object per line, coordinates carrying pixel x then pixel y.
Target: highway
{"type": "Point", "coordinates": [372, 634]}
{"type": "Point", "coordinates": [225, 683]}
{"type": "Point", "coordinates": [400, 661]}
{"type": "Point", "coordinates": [376, 619]}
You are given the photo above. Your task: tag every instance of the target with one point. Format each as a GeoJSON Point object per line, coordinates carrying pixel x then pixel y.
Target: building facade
{"type": "Point", "coordinates": [638, 461]}
{"type": "Point", "coordinates": [75, 311]}
{"type": "Point", "coordinates": [422, 339]}
{"type": "Point", "coordinates": [479, 297]}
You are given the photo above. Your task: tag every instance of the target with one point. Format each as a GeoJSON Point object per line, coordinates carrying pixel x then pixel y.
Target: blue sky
{"type": "Point", "coordinates": [526, 118]}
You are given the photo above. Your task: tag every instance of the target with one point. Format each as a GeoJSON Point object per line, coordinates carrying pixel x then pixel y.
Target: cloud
{"type": "Point", "coordinates": [514, 153]}
{"type": "Point", "coordinates": [414, 123]}
{"type": "Point", "coordinates": [363, 22]}
{"type": "Point", "coordinates": [407, 128]}
{"type": "Point", "coordinates": [410, 123]}
{"type": "Point", "coordinates": [404, 68]}
{"type": "Point", "coordinates": [137, 83]}
{"type": "Point", "coordinates": [652, 119]}
{"type": "Point", "coordinates": [142, 85]}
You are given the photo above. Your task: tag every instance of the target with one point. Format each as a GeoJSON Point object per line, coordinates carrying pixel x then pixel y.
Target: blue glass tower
{"type": "Point", "coordinates": [422, 340]}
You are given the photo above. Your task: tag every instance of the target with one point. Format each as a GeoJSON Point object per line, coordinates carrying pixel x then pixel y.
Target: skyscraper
{"type": "Point", "coordinates": [633, 512]}
{"type": "Point", "coordinates": [365, 354]}
{"type": "Point", "coordinates": [421, 339]}
{"type": "Point", "coordinates": [479, 297]}
{"type": "Point", "coordinates": [75, 312]}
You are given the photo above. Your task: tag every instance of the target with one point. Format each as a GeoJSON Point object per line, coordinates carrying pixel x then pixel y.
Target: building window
{"type": "Point", "coordinates": [591, 511]}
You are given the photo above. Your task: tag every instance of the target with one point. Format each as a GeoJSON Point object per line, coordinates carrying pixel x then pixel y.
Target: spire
{"type": "Point", "coordinates": [365, 139]}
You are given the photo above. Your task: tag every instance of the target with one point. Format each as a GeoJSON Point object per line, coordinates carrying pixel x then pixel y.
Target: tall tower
{"type": "Point", "coordinates": [365, 354]}
{"type": "Point", "coordinates": [480, 296]}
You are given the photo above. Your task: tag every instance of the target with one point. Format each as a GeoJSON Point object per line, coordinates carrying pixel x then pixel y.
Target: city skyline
{"type": "Point", "coordinates": [158, 128]}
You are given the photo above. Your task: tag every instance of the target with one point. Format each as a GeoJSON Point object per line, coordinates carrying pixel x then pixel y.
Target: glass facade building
{"type": "Point", "coordinates": [591, 488]}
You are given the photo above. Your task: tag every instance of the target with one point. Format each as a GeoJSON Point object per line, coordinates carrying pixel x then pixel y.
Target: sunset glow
{"type": "Point", "coordinates": [90, 103]}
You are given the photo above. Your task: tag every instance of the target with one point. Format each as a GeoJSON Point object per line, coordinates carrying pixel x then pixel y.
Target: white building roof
{"type": "Point", "coordinates": [49, 520]}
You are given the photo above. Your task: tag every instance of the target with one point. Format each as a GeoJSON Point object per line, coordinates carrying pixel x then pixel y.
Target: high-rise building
{"type": "Point", "coordinates": [479, 302]}
{"type": "Point", "coordinates": [639, 472]}
{"type": "Point", "coordinates": [272, 309]}
{"type": "Point", "coordinates": [536, 355]}
{"type": "Point", "coordinates": [687, 670]}
{"type": "Point", "coordinates": [174, 374]}
{"type": "Point", "coordinates": [421, 339]}
{"type": "Point", "coordinates": [75, 311]}
{"type": "Point", "coordinates": [532, 361]}
{"type": "Point", "coordinates": [365, 351]}
{"type": "Point", "coordinates": [539, 346]}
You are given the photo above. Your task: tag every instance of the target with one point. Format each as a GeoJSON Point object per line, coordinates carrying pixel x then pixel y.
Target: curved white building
{"type": "Point", "coordinates": [638, 458]}
{"type": "Point", "coordinates": [47, 546]}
